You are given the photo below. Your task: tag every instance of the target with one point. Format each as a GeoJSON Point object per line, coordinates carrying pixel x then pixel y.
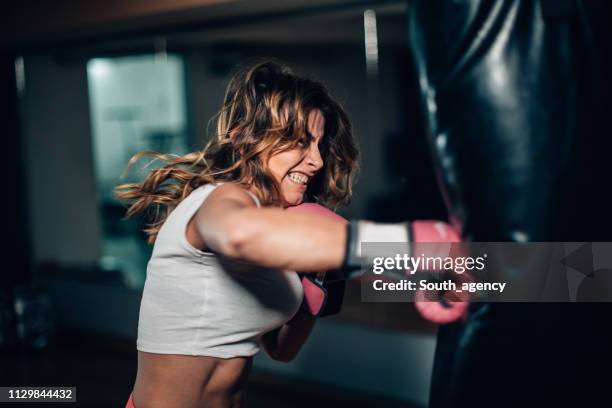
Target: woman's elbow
{"type": "Point", "coordinates": [282, 357]}
{"type": "Point", "coordinates": [235, 242]}
{"type": "Point", "coordinates": [237, 235]}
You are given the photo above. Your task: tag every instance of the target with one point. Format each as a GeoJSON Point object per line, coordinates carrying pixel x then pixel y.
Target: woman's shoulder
{"type": "Point", "coordinates": [233, 191]}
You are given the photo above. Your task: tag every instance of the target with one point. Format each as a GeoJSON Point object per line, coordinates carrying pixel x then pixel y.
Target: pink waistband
{"type": "Point", "coordinates": [130, 403]}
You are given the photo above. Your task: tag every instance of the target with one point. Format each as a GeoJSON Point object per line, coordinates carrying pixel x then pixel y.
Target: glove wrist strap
{"type": "Point", "coordinates": [359, 231]}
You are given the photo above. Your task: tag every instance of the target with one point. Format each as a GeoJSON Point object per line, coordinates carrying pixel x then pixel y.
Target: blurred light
{"type": "Point", "coordinates": [98, 68]}
{"type": "Point", "coordinates": [499, 75]}
{"type": "Point", "coordinates": [371, 42]}
{"type": "Point", "coordinates": [20, 76]}
{"type": "Point", "coordinates": [441, 141]}
{"type": "Point", "coordinates": [519, 236]}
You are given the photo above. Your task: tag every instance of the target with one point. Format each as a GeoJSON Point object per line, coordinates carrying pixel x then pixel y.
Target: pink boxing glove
{"type": "Point", "coordinates": [434, 231]}
{"type": "Point", "coordinates": [426, 238]}
{"type": "Point", "coordinates": [322, 296]}
{"type": "Point", "coordinates": [435, 239]}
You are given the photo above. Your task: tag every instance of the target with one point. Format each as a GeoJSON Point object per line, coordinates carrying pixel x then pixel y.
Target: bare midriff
{"type": "Point", "coordinates": [170, 380]}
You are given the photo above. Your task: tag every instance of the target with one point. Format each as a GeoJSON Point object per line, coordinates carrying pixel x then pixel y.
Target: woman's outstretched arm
{"type": "Point", "coordinates": [229, 223]}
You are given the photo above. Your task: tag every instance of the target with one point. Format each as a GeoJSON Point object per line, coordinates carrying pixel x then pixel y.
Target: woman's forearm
{"type": "Point", "coordinates": [284, 343]}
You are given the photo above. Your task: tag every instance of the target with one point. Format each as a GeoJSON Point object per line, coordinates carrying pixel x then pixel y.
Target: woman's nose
{"type": "Point", "coordinates": [314, 158]}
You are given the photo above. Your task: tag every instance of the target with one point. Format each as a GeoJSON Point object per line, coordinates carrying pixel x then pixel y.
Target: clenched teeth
{"type": "Point", "coordinates": [298, 178]}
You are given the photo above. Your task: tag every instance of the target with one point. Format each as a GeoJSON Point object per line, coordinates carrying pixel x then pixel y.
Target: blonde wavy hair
{"type": "Point", "coordinates": [265, 111]}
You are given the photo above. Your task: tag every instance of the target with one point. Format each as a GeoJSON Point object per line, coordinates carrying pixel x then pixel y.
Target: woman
{"type": "Point", "coordinates": [281, 139]}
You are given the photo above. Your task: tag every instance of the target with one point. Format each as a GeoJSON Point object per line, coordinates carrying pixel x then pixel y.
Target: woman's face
{"type": "Point", "coordinates": [295, 168]}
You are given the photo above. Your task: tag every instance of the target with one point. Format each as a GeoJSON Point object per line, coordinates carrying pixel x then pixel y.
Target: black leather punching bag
{"type": "Point", "coordinates": [516, 96]}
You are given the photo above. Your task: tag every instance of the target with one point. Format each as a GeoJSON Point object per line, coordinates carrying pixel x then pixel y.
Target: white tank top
{"type": "Point", "coordinates": [202, 304]}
